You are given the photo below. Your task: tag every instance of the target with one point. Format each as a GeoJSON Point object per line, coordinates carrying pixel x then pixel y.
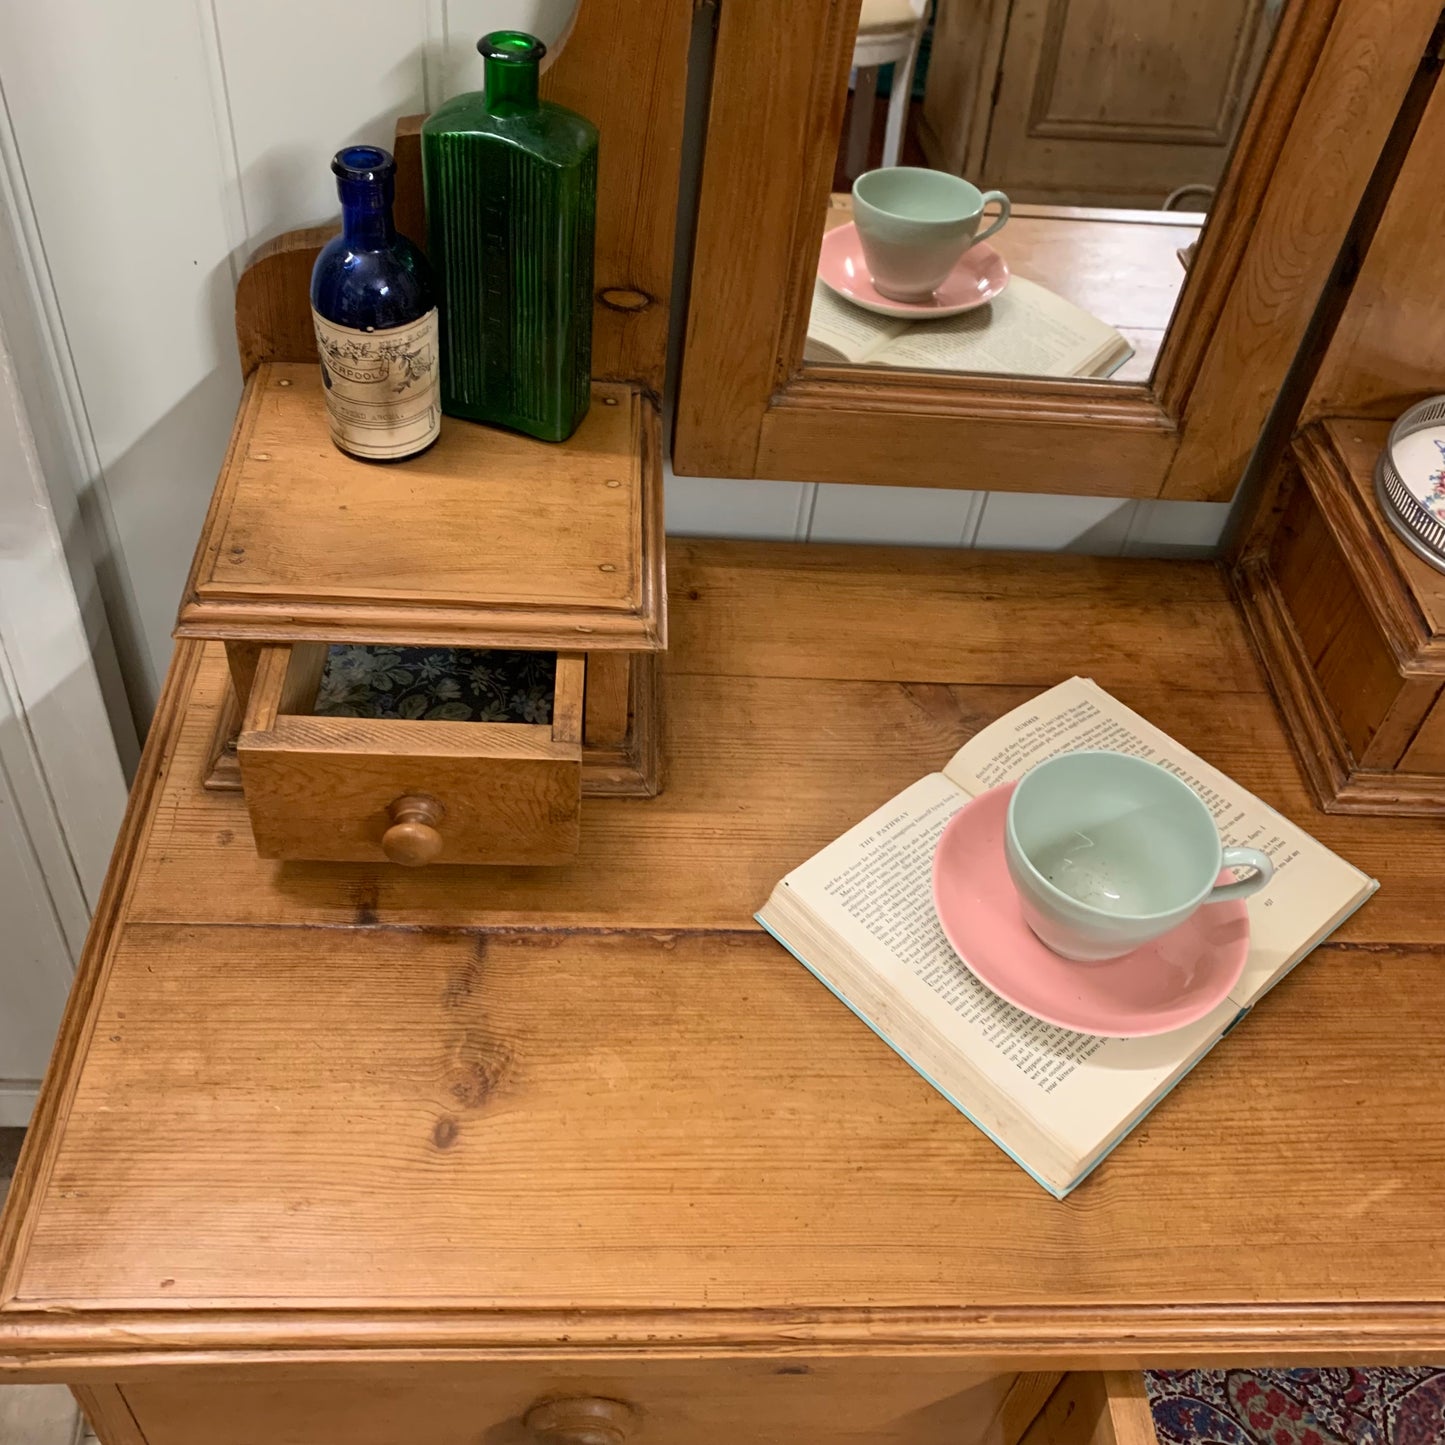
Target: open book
{"type": "Point", "coordinates": [1026, 331]}
{"type": "Point", "coordinates": [1054, 1100]}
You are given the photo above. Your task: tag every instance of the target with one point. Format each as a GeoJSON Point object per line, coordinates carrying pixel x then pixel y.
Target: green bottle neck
{"type": "Point", "coordinates": [512, 64]}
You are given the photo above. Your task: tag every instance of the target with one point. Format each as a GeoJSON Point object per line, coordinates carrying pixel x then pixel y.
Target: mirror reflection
{"type": "Point", "coordinates": [1020, 184]}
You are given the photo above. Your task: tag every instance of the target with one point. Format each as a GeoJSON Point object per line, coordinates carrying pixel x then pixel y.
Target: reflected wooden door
{"type": "Point", "coordinates": [1118, 102]}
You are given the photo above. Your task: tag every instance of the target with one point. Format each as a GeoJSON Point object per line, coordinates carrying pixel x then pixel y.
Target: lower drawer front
{"type": "Point", "coordinates": [873, 1401]}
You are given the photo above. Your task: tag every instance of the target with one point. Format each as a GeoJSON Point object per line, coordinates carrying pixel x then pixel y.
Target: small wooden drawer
{"type": "Point", "coordinates": [781, 1400]}
{"type": "Point", "coordinates": [356, 789]}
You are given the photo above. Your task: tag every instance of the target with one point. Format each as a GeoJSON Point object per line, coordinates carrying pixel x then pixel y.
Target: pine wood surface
{"type": "Point", "coordinates": [487, 538]}
{"type": "Point", "coordinates": [880, 1402]}
{"type": "Point", "coordinates": [793, 708]}
{"type": "Point", "coordinates": [381, 1122]}
{"type": "Point", "coordinates": [1348, 623]}
{"type": "Point", "coordinates": [1110, 1408]}
{"type": "Point", "coordinates": [624, 67]}
{"type": "Point", "coordinates": [1344, 450]}
{"type": "Point", "coordinates": [1389, 348]}
{"type": "Point", "coordinates": [345, 1115]}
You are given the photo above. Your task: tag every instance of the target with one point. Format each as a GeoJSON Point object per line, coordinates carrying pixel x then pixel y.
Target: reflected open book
{"type": "Point", "coordinates": [1026, 331]}
{"type": "Point", "coordinates": [1057, 1102]}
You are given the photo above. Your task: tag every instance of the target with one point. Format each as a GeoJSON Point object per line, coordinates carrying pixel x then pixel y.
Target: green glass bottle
{"type": "Point", "coordinates": [511, 203]}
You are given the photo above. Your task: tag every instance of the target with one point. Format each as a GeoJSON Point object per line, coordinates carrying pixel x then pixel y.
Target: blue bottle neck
{"type": "Point", "coordinates": [366, 214]}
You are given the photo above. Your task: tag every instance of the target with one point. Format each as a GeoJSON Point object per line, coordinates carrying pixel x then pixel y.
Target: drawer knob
{"type": "Point", "coordinates": [583, 1421]}
{"type": "Point", "coordinates": [413, 839]}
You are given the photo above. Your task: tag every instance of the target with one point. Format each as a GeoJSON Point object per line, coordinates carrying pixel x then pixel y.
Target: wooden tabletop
{"type": "Point", "coordinates": [340, 1112]}
{"type": "Point", "coordinates": [486, 539]}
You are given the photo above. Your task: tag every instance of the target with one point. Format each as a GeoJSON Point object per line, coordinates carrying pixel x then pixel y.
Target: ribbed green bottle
{"type": "Point", "coordinates": [511, 205]}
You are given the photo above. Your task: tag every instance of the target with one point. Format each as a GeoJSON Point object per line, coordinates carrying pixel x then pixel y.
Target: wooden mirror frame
{"type": "Point", "coordinates": [1332, 83]}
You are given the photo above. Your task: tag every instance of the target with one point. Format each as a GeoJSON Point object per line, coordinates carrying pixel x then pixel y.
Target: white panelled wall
{"type": "Point", "coordinates": [147, 149]}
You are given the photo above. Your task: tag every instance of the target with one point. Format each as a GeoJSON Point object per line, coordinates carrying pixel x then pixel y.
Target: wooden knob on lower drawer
{"type": "Point", "coordinates": [585, 1420]}
{"type": "Point", "coordinates": [413, 839]}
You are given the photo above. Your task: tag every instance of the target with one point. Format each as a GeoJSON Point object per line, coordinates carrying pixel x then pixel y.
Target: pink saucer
{"type": "Point", "coordinates": [979, 276]}
{"type": "Point", "coordinates": [1164, 985]}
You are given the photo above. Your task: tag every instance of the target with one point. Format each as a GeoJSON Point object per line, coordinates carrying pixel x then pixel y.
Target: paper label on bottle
{"type": "Point", "coordinates": [382, 397]}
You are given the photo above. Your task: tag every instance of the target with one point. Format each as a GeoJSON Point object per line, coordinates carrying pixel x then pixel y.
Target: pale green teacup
{"type": "Point", "coordinates": [915, 223]}
{"type": "Point", "coordinates": [1109, 851]}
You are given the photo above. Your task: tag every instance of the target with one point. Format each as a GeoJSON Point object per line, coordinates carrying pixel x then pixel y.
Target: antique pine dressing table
{"type": "Point", "coordinates": [574, 1154]}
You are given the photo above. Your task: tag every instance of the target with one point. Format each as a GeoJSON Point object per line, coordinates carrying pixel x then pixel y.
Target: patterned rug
{"type": "Point", "coordinates": [1298, 1407]}
{"type": "Point", "coordinates": [442, 684]}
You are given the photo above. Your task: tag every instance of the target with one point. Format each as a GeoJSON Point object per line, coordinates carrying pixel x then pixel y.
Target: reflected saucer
{"type": "Point", "coordinates": [1164, 985]}
{"type": "Point", "coordinates": [979, 276]}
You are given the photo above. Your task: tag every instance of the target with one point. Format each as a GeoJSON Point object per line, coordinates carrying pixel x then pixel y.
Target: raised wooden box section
{"type": "Point", "coordinates": [488, 540]}
{"type": "Point", "coordinates": [1350, 625]}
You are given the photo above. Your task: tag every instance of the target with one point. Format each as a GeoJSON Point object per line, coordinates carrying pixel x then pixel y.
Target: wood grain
{"type": "Point", "coordinates": [323, 787]}
{"type": "Point", "coordinates": [273, 300]}
{"type": "Point", "coordinates": [625, 68]}
{"type": "Point", "coordinates": [1426, 752]}
{"type": "Point", "coordinates": [609, 679]}
{"type": "Point", "coordinates": [1368, 61]}
{"type": "Point", "coordinates": [1350, 658]}
{"type": "Point", "coordinates": [769, 639]}
{"type": "Point", "coordinates": [487, 539]}
{"type": "Point", "coordinates": [1109, 104]}
{"type": "Point", "coordinates": [568, 692]}
{"type": "Point", "coordinates": [772, 133]}
{"type": "Point", "coordinates": [1335, 781]}
{"type": "Point", "coordinates": [891, 440]}
{"type": "Point", "coordinates": [968, 37]}
{"type": "Point", "coordinates": [1109, 1408]}
{"type": "Point", "coordinates": [327, 1120]}
{"type": "Point", "coordinates": [1406, 592]}
{"type": "Point", "coordinates": [108, 1415]}
{"type": "Point", "coordinates": [1347, 622]}
{"type": "Point", "coordinates": [854, 1401]}
{"type": "Point", "coordinates": [1388, 350]}
{"type": "Point", "coordinates": [438, 1071]}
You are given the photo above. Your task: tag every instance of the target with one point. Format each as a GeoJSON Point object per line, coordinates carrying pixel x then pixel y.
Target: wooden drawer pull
{"type": "Point", "coordinates": [583, 1421]}
{"type": "Point", "coordinates": [413, 839]}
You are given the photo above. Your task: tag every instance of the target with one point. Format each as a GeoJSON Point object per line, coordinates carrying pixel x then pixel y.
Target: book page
{"type": "Point", "coordinates": [1312, 888]}
{"type": "Point", "coordinates": [840, 331]}
{"type": "Point", "coordinates": [872, 890]}
{"type": "Point", "coordinates": [1026, 331]}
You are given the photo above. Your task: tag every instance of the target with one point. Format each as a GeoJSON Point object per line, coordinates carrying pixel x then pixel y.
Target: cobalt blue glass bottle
{"type": "Point", "coordinates": [374, 306]}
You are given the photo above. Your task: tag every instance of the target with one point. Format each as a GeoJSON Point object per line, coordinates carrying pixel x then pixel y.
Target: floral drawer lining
{"type": "Point", "coordinates": [443, 684]}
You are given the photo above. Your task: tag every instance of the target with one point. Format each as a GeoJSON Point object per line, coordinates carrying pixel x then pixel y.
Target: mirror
{"type": "Point", "coordinates": [1106, 125]}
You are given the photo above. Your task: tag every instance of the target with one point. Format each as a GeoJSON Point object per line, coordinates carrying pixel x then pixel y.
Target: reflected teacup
{"type": "Point", "coordinates": [1109, 851]}
{"type": "Point", "coordinates": [914, 224]}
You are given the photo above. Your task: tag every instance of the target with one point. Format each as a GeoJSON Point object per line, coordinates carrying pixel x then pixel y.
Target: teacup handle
{"type": "Point", "coordinates": [1243, 887]}
{"type": "Point", "coordinates": [1004, 211]}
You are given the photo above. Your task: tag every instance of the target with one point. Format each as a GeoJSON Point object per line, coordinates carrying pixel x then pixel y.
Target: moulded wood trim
{"type": "Point", "coordinates": [118, 1344]}
{"type": "Point", "coordinates": [1119, 452]}
{"type": "Point", "coordinates": [210, 609]}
